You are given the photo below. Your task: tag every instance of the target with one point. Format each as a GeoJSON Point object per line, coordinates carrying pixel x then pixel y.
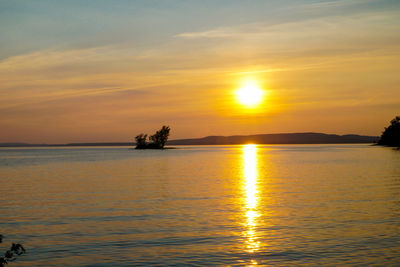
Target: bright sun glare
{"type": "Point", "coordinates": [250, 95]}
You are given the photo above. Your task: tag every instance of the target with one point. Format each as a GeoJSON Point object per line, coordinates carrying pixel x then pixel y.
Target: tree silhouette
{"type": "Point", "coordinates": [158, 139]}
{"type": "Point", "coordinates": [391, 134]}
{"type": "Point", "coordinates": [141, 140]}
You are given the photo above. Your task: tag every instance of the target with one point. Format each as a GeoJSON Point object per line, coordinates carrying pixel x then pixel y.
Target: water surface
{"type": "Point", "coordinates": [202, 205]}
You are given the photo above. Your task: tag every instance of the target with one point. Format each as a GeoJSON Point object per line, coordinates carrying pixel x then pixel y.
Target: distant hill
{"type": "Point", "coordinates": [65, 145]}
{"type": "Point", "coordinates": [13, 144]}
{"type": "Point", "coordinates": [282, 138]}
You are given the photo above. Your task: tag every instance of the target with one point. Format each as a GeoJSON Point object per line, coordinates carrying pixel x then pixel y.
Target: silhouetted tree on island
{"type": "Point", "coordinates": [141, 140]}
{"type": "Point", "coordinates": [158, 139]}
{"type": "Point", "coordinates": [391, 134]}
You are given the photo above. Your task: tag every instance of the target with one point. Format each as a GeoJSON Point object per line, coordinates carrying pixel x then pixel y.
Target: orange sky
{"type": "Point", "coordinates": [71, 73]}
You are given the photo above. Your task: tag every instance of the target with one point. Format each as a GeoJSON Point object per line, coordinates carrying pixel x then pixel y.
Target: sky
{"type": "Point", "coordinates": [105, 71]}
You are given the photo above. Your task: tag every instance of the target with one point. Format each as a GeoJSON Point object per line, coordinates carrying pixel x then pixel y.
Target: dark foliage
{"type": "Point", "coordinates": [391, 134]}
{"type": "Point", "coordinates": [9, 255]}
{"type": "Point", "coordinates": [17, 248]}
{"type": "Point", "coordinates": [141, 140]}
{"type": "Point", "coordinates": [158, 139]}
{"type": "Point", "coordinates": [3, 262]}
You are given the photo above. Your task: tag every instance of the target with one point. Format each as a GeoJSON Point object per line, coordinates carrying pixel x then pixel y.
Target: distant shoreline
{"type": "Point", "coordinates": [262, 139]}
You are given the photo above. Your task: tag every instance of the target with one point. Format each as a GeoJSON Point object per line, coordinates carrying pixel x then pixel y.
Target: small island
{"type": "Point", "coordinates": [158, 139]}
{"type": "Point", "coordinates": [391, 134]}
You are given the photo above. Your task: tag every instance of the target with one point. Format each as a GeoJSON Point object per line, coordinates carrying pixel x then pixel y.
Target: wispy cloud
{"type": "Point", "coordinates": [364, 23]}
{"type": "Point", "coordinates": [226, 32]}
{"type": "Point", "coordinates": [334, 4]}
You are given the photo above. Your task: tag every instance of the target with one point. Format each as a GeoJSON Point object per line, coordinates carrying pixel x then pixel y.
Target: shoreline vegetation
{"type": "Point", "coordinates": [158, 139]}
{"type": "Point", "coordinates": [391, 135]}
{"type": "Point", "coordinates": [16, 249]}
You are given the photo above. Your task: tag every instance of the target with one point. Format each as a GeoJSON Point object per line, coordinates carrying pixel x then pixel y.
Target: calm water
{"type": "Point", "coordinates": [218, 205]}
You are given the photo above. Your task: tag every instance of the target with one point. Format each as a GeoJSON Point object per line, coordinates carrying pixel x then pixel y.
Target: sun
{"type": "Point", "coordinates": [250, 95]}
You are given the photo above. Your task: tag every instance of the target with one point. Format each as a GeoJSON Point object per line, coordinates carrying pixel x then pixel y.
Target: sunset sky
{"type": "Point", "coordinates": [93, 71]}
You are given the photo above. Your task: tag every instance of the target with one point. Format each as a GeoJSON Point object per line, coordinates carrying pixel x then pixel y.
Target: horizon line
{"type": "Point", "coordinates": [116, 143]}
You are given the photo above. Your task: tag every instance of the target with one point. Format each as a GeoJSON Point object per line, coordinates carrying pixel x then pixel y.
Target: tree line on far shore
{"type": "Point", "coordinates": [391, 134]}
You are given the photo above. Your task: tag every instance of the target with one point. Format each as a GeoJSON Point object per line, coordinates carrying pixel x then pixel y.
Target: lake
{"type": "Point", "coordinates": [248, 205]}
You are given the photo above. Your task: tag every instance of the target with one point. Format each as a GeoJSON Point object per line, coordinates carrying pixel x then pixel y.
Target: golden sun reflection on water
{"type": "Point", "coordinates": [250, 176]}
